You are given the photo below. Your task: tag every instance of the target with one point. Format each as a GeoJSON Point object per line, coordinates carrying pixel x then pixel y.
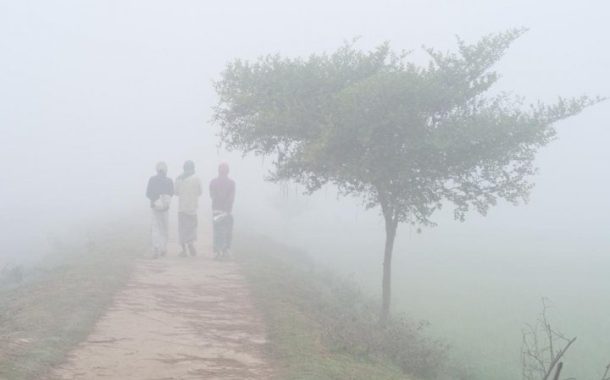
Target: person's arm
{"type": "Point", "coordinates": [149, 189]}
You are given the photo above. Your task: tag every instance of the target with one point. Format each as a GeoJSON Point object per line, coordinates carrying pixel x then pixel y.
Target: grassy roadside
{"type": "Point", "coordinates": [322, 328]}
{"type": "Point", "coordinates": [58, 303]}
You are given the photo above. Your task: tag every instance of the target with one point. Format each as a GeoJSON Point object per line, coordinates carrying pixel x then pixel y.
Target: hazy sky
{"type": "Point", "coordinates": [93, 93]}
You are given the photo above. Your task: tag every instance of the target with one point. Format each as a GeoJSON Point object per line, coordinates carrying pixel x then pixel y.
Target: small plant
{"type": "Point", "coordinates": [352, 325]}
{"type": "Point", "coordinates": [544, 348]}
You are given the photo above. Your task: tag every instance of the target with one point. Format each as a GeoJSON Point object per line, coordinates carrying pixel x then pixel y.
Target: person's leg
{"type": "Point", "coordinates": [155, 233]}
{"type": "Point", "coordinates": [164, 233]}
{"type": "Point", "coordinates": [192, 249]}
{"type": "Point", "coordinates": [182, 233]}
{"type": "Point", "coordinates": [229, 236]}
{"type": "Point", "coordinates": [215, 237]}
{"type": "Point", "coordinates": [193, 234]}
{"type": "Point", "coordinates": [218, 237]}
{"type": "Point", "coordinates": [222, 236]}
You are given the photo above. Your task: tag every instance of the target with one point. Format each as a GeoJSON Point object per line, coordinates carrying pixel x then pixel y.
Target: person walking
{"type": "Point", "coordinates": [159, 192]}
{"type": "Point", "coordinates": [188, 190]}
{"type": "Point", "coordinates": [222, 192]}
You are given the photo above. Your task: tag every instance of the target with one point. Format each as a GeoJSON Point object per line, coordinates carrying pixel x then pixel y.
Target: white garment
{"type": "Point", "coordinates": [159, 230]}
{"type": "Point", "coordinates": [188, 191]}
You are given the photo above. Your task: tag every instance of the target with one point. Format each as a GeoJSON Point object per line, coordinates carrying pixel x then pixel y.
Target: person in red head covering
{"type": "Point", "coordinates": [222, 192]}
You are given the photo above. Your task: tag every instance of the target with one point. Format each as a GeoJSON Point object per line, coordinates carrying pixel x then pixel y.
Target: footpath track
{"type": "Point", "coordinates": [178, 318]}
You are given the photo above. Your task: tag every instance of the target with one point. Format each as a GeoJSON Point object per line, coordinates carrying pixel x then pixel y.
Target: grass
{"type": "Point", "coordinates": [321, 327]}
{"type": "Point", "coordinates": [59, 301]}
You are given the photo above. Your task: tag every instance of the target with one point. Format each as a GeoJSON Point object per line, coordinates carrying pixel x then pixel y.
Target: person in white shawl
{"type": "Point", "coordinates": [159, 192]}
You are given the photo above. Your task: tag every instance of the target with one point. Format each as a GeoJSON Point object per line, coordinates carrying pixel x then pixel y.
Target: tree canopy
{"type": "Point", "coordinates": [395, 133]}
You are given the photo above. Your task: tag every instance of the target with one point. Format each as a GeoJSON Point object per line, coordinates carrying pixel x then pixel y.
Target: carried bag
{"type": "Point", "coordinates": [162, 204]}
{"type": "Point", "coordinates": [219, 216]}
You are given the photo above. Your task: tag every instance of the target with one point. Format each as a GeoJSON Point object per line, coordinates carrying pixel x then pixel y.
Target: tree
{"type": "Point", "coordinates": [543, 349]}
{"type": "Point", "coordinates": [402, 137]}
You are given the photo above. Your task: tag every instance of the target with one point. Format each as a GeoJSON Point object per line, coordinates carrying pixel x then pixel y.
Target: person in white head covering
{"type": "Point", "coordinates": [159, 192]}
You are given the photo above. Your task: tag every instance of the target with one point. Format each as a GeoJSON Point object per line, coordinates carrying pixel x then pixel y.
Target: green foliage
{"type": "Point", "coordinates": [323, 327]}
{"type": "Point", "coordinates": [401, 136]}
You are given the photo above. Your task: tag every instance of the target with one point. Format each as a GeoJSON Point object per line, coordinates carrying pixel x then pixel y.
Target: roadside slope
{"type": "Point", "coordinates": [60, 298]}
{"type": "Point", "coordinates": [314, 330]}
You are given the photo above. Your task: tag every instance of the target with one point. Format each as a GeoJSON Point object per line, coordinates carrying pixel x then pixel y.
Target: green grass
{"type": "Point", "coordinates": [304, 313]}
{"type": "Point", "coordinates": [60, 300]}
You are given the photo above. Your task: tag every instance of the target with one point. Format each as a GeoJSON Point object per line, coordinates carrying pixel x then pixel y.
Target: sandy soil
{"type": "Point", "coordinates": [178, 318]}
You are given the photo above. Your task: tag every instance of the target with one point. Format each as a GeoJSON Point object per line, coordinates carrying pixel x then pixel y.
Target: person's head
{"type": "Point", "coordinates": [189, 167]}
{"type": "Point", "coordinates": [223, 169]}
{"type": "Point", "coordinates": [161, 168]}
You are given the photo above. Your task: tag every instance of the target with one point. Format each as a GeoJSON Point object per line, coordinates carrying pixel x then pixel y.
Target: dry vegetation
{"type": "Point", "coordinates": [544, 348]}
{"type": "Point", "coordinates": [57, 302]}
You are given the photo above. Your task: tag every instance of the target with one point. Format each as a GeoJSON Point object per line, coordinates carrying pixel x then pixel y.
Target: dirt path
{"type": "Point", "coordinates": [178, 318]}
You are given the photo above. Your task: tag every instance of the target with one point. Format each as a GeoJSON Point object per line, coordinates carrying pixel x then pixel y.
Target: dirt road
{"type": "Point", "coordinates": [178, 318]}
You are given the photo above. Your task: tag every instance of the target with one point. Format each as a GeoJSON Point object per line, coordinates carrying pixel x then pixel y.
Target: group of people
{"type": "Point", "coordinates": [188, 190]}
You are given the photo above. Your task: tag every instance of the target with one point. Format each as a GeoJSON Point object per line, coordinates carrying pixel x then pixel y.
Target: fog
{"type": "Point", "coordinates": [93, 94]}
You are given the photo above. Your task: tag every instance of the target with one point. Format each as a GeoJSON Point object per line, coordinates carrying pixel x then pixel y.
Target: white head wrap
{"type": "Point", "coordinates": [161, 167]}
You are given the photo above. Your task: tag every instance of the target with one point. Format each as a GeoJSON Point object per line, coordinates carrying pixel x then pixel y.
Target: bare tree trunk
{"type": "Point", "coordinates": [391, 224]}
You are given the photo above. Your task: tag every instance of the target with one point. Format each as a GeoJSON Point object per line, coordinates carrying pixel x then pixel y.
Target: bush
{"type": "Point", "coordinates": [348, 319]}
{"type": "Point", "coordinates": [351, 322]}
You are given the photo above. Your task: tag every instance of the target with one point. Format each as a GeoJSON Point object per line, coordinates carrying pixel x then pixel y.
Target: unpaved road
{"type": "Point", "coordinates": [178, 318]}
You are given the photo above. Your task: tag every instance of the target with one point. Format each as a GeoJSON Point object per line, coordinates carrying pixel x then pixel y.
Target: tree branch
{"type": "Point", "coordinates": [606, 375]}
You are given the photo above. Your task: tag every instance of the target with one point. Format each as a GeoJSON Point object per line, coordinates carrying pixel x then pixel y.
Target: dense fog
{"type": "Point", "coordinates": [93, 94]}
